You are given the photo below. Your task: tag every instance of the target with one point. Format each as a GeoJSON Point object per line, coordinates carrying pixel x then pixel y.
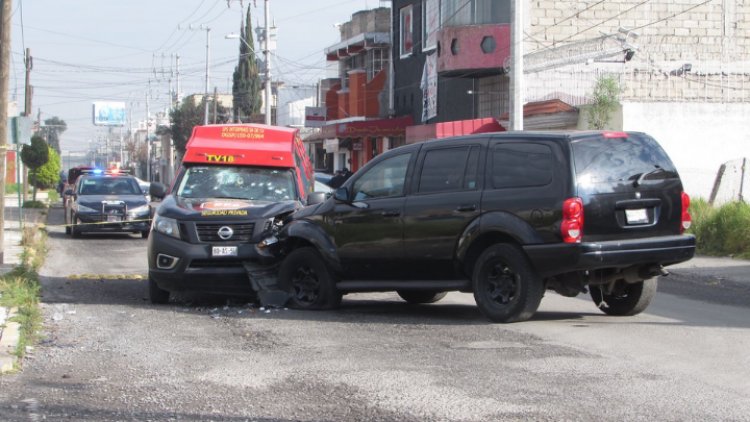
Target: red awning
{"type": "Point", "coordinates": [368, 128]}
{"type": "Point", "coordinates": [421, 133]}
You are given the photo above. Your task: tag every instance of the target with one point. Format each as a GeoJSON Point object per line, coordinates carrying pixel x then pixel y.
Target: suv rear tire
{"type": "Point", "coordinates": [309, 282]}
{"type": "Point", "coordinates": [506, 288]}
{"type": "Point", "coordinates": [627, 299]}
{"type": "Point", "coordinates": [416, 297]}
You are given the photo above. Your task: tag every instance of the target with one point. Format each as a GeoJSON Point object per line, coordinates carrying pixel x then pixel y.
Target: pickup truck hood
{"type": "Point", "coordinates": [95, 201]}
{"type": "Point", "coordinates": [223, 208]}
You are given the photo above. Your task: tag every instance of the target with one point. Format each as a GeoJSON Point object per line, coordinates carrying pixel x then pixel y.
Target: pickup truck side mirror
{"type": "Point", "coordinates": [157, 190]}
{"type": "Point", "coordinates": [316, 198]}
{"type": "Point", "coordinates": [341, 194]}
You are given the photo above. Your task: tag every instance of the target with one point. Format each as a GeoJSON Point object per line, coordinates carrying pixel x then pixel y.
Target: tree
{"type": "Point", "coordinates": [246, 85]}
{"type": "Point", "coordinates": [48, 174]}
{"type": "Point", "coordinates": [54, 127]}
{"type": "Point", "coordinates": [188, 115]}
{"type": "Point", "coordinates": [605, 100]}
{"type": "Point", "coordinates": [34, 156]}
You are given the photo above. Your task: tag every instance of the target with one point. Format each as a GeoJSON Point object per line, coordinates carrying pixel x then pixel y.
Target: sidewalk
{"type": "Point", "coordinates": [11, 258]}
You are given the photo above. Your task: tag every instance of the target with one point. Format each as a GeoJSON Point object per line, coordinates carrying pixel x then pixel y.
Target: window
{"type": "Point", "coordinates": [377, 60]}
{"type": "Point", "coordinates": [430, 23]}
{"type": "Point", "coordinates": [446, 169]}
{"type": "Point", "coordinates": [474, 12]}
{"type": "Point", "coordinates": [521, 165]}
{"type": "Point", "coordinates": [383, 180]}
{"type": "Point", "coordinates": [407, 31]}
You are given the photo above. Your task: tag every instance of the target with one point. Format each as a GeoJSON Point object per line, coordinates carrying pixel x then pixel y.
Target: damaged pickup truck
{"type": "Point", "coordinates": [236, 183]}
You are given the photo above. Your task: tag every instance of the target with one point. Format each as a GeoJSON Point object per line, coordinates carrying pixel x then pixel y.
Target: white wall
{"type": "Point", "coordinates": [698, 137]}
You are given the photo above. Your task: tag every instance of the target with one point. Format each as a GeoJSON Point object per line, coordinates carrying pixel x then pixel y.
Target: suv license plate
{"type": "Point", "coordinates": [224, 251]}
{"type": "Point", "coordinates": [637, 216]}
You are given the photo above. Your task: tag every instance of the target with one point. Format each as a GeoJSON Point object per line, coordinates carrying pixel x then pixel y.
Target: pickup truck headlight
{"type": "Point", "coordinates": [136, 212]}
{"type": "Point", "coordinates": [83, 208]}
{"type": "Point", "coordinates": [167, 226]}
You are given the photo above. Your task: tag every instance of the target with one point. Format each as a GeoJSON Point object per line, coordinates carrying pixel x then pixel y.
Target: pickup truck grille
{"type": "Point", "coordinates": [209, 232]}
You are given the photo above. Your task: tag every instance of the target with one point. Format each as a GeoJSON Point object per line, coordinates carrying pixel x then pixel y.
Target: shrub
{"type": "Point", "coordinates": [721, 231]}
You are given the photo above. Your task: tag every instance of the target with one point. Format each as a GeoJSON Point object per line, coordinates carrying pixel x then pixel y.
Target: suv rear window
{"type": "Point", "coordinates": [516, 165]}
{"type": "Point", "coordinates": [599, 159]}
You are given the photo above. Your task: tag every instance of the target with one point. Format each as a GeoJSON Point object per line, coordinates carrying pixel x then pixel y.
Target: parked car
{"type": "Point", "coordinates": [504, 216]}
{"type": "Point", "coordinates": [322, 177]}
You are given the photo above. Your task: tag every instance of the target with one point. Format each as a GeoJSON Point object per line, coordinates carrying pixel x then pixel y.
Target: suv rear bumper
{"type": "Point", "coordinates": [552, 259]}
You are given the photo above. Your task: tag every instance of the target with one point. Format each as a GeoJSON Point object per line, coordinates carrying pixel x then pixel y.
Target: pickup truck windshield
{"type": "Point", "coordinates": [239, 182]}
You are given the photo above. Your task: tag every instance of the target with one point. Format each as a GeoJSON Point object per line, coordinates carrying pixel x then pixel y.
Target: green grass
{"type": "Point", "coordinates": [34, 204]}
{"type": "Point", "coordinates": [722, 231]}
{"type": "Point", "coordinates": [20, 288]}
{"type": "Point", "coordinates": [53, 196]}
{"type": "Point", "coordinates": [12, 188]}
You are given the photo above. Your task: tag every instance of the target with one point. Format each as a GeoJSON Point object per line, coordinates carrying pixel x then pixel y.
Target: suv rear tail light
{"type": "Point", "coordinates": [571, 227]}
{"type": "Point", "coordinates": [686, 219]}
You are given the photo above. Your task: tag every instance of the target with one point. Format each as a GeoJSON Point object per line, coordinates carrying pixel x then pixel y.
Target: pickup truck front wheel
{"type": "Point", "coordinates": [304, 275]}
{"type": "Point", "coordinates": [505, 286]}
{"type": "Point", "coordinates": [625, 299]}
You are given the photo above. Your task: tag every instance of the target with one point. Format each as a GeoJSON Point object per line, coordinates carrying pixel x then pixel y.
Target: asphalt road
{"type": "Point", "coordinates": [109, 355]}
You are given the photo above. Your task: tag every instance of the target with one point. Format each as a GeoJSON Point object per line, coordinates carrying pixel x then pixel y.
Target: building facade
{"type": "Point", "coordinates": [360, 120]}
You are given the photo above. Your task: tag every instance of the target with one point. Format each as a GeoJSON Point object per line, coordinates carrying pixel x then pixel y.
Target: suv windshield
{"type": "Point", "coordinates": [635, 158]}
{"type": "Point", "coordinates": [241, 182]}
{"type": "Point", "coordinates": [109, 186]}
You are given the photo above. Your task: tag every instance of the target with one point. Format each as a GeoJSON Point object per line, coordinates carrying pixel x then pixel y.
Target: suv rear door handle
{"type": "Point", "coordinates": [466, 208]}
{"type": "Point", "coordinates": [390, 213]}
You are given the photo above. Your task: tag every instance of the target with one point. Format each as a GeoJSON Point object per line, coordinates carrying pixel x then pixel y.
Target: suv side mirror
{"type": "Point", "coordinates": [316, 198]}
{"type": "Point", "coordinates": [341, 194]}
{"type": "Point", "coordinates": [157, 190]}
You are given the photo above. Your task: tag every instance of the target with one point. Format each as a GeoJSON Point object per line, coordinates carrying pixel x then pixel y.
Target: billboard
{"type": "Point", "coordinates": [108, 113]}
{"type": "Point", "coordinates": [315, 116]}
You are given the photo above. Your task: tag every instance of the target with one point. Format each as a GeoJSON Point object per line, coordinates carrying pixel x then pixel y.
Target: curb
{"type": "Point", "coordinates": [9, 336]}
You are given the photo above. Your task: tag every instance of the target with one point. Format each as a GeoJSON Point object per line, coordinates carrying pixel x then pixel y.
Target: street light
{"type": "Point", "coordinates": [236, 36]}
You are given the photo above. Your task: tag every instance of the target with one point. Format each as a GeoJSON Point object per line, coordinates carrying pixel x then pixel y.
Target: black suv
{"type": "Point", "coordinates": [503, 215]}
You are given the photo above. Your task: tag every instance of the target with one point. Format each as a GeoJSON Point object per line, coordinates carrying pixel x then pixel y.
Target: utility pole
{"type": "Point", "coordinates": [4, 77]}
{"type": "Point", "coordinates": [177, 78]}
{"type": "Point", "coordinates": [516, 65]}
{"type": "Point", "coordinates": [267, 54]}
{"type": "Point", "coordinates": [28, 61]}
{"type": "Point", "coordinates": [208, 49]}
{"type": "Point", "coordinates": [216, 102]}
{"type": "Point", "coordinates": [148, 142]}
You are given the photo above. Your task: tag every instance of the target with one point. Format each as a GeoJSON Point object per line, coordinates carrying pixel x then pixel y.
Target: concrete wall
{"type": "Point", "coordinates": [712, 38]}
{"type": "Point", "coordinates": [698, 137]}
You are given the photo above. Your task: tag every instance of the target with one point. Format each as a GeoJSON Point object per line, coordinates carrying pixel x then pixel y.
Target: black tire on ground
{"type": "Point", "coordinates": [626, 299]}
{"type": "Point", "coordinates": [67, 229]}
{"type": "Point", "coordinates": [416, 297]}
{"type": "Point", "coordinates": [144, 234]}
{"type": "Point", "coordinates": [505, 286]}
{"type": "Point", "coordinates": [156, 294]}
{"type": "Point", "coordinates": [305, 276]}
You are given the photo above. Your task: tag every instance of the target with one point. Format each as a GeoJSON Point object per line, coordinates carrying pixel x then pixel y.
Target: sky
{"type": "Point", "coordinates": [123, 50]}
